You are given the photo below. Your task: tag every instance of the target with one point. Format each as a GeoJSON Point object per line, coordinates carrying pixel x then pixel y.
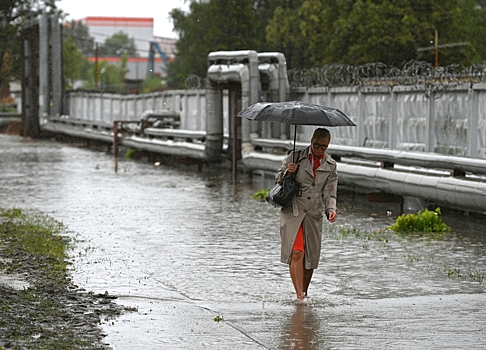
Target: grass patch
{"type": "Point", "coordinates": [36, 235]}
{"type": "Point", "coordinates": [51, 313]}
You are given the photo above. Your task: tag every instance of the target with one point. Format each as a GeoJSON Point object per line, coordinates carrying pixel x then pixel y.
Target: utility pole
{"type": "Point", "coordinates": [96, 67]}
{"type": "Point", "coordinates": [436, 47]}
{"type": "Point", "coordinates": [436, 44]}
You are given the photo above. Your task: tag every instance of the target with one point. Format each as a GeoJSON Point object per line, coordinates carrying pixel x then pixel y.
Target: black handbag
{"type": "Point", "coordinates": [282, 193]}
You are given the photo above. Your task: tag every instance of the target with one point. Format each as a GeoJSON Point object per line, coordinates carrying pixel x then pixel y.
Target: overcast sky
{"type": "Point", "coordinates": [156, 9]}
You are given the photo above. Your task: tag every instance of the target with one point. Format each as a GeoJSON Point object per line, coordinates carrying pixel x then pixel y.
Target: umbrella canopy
{"type": "Point", "coordinates": [295, 113]}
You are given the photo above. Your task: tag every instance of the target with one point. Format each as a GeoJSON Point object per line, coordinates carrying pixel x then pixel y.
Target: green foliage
{"type": "Point", "coordinates": [117, 45]}
{"type": "Point", "coordinates": [474, 275]}
{"type": "Point", "coordinates": [7, 109]}
{"type": "Point", "coordinates": [75, 65]}
{"type": "Point", "coordinates": [217, 25]}
{"type": "Point", "coordinates": [152, 82]}
{"type": "Point", "coordinates": [260, 195]}
{"type": "Point", "coordinates": [316, 32]}
{"type": "Point", "coordinates": [426, 221]}
{"type": "Point", "coordinates": [285, 32]}
{"type": "Point", "coordinates": [47, 313]}
{"type": "Point", "coordinates": [111, 77]}
{"type": "Point", "coordinates": [37, 235]}
{"type": "Point", "coordinates": [364, 31]}
{"type": "Point", "coordinates": [79, 34]}
{"type": "Point", "coordinates": [12, 14]}
{"type": "Point", "coordinates": [129, 154]}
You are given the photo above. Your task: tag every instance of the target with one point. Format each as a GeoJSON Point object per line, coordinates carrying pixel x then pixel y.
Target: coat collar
{"type": "Point", "coordinates": [303, 154]}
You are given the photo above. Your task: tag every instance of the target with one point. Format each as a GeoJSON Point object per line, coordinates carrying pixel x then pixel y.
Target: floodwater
{"type": "Point", "coordinates": [182, 247]}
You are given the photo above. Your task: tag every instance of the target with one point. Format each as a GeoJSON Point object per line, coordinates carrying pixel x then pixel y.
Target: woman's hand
{"type": "Point", "coordinates": [292, 167]}
{"type": "Point", "coordinates": [331, 215]}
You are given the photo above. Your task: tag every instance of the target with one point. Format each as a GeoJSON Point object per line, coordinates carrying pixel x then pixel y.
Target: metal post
{"type": "Point", "coordinates": [234, 136]}
{"type": "Point", "coordinates": [43, 66]}
{"type": "Point", "coordinates": [473, 123]}
{"type": "Point", "coordinates": [26, 82]}
{"type": "Point", "coordinates": [392, 141]}
{"type": "Point", "coordinates": [115, 144]}
{"type": "Point", "coordinates": [360, 122]}
{"type": "Point", "coordinates": [30, 80]}
{"type": "Point", "coordinates": [57, 90]}
{"type": "Point", "coordinates": [430, 126]}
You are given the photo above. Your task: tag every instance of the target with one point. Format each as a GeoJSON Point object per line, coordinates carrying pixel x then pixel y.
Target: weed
{"type": "Point", "coordinates": [411, 259]}
{"type": "Point", "coordinates": [260, 195]}
{"type": "Point", "coordinates": [130, 154]}
{"type": "Point", "coordinates": [426, 221]}
{"type": "Point", "coordinates": [453, 272]}
{"type": "Point", "coordinates": [474, 275]}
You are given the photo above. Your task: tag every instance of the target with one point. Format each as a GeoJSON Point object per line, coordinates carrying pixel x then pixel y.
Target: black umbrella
{"type": "Point", "coordinates": [295, 113]}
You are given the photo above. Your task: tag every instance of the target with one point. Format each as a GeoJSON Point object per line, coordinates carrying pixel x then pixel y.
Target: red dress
{"type": "Point", "coordinates": [299, 243]}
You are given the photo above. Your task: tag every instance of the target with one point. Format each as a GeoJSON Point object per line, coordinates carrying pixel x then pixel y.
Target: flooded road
{"type": "Point", "coordinates": [183, 247]}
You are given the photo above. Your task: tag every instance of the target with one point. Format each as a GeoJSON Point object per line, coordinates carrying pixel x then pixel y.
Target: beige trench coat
{"type": "Point", "coordinates": [308, 205]}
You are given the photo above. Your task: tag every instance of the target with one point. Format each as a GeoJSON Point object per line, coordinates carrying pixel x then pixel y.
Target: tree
{"type": "Point", "coordinates": [152, 83]}
{"type": "Point", "coordinates": [117, 45]}
{"type": "Point", "coordinates": [217, 25]}
{"type": "Point", "coordinates": [111, 77]}
{"type": "Point", "coordinates": [389, 31]}
{"type": "Point", "coordinates": [79, 33]}
{"type": "Point", "coordinates": [284, 32]}
{"type": "Point", "coordinates": [12, 12]}
{"type": "Point", "coordinates": [474, 23]}
{"type": "Point", "coordinates": [75, 65]}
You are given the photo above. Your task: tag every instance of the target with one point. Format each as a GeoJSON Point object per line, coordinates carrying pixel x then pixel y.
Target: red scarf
{"type": "Point", "coordinates": [315, 162]}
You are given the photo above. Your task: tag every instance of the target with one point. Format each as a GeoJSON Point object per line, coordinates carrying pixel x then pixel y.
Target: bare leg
{"type": "Point", "coordinates": [307, 278]}
{"type": "Point", "coordinates": [297, 272]}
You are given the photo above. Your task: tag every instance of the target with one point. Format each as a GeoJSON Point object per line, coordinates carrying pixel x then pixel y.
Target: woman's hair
{"type": "Point", "coordinates": [321, 133]}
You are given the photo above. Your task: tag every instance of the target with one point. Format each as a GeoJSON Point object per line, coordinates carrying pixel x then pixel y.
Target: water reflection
{"type": "Point", "coordinates": [302, 330]}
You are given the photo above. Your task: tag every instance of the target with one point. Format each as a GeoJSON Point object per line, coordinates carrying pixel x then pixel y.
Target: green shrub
{"type": "Point", "coordinates": [130, 154]}
{"type": "Point", "coordinates": [426, 221]}
{"type": "Point", "coordinates": [260, 195]}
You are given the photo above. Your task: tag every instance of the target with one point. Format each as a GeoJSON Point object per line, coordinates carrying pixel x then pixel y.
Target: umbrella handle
{"type": "Point", "coordinates": [295, 137]}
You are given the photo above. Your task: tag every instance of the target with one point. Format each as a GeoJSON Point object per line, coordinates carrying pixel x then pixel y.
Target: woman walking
{"type": "Point", "coordinates": [301, 223]}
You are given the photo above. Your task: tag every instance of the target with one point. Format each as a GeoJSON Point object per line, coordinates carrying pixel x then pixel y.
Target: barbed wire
{"type": "Point", "coordinates": [195, 82]}
{"type": "Point", "coordinates": [435, 80]}
{"type": "Point", "coordinates": [419, 73]}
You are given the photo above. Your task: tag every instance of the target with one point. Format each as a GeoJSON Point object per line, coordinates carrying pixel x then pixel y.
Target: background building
{"type": "Point", "coordinates": [141, 30]}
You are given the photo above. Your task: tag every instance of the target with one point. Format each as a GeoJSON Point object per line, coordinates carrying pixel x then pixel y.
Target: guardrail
{"type": "Point", "coordinates": [431, 177]}
{"type": "Point", "coordinates": [457, 165]}
{"type": "Point", "coordinates": [452, 181]}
